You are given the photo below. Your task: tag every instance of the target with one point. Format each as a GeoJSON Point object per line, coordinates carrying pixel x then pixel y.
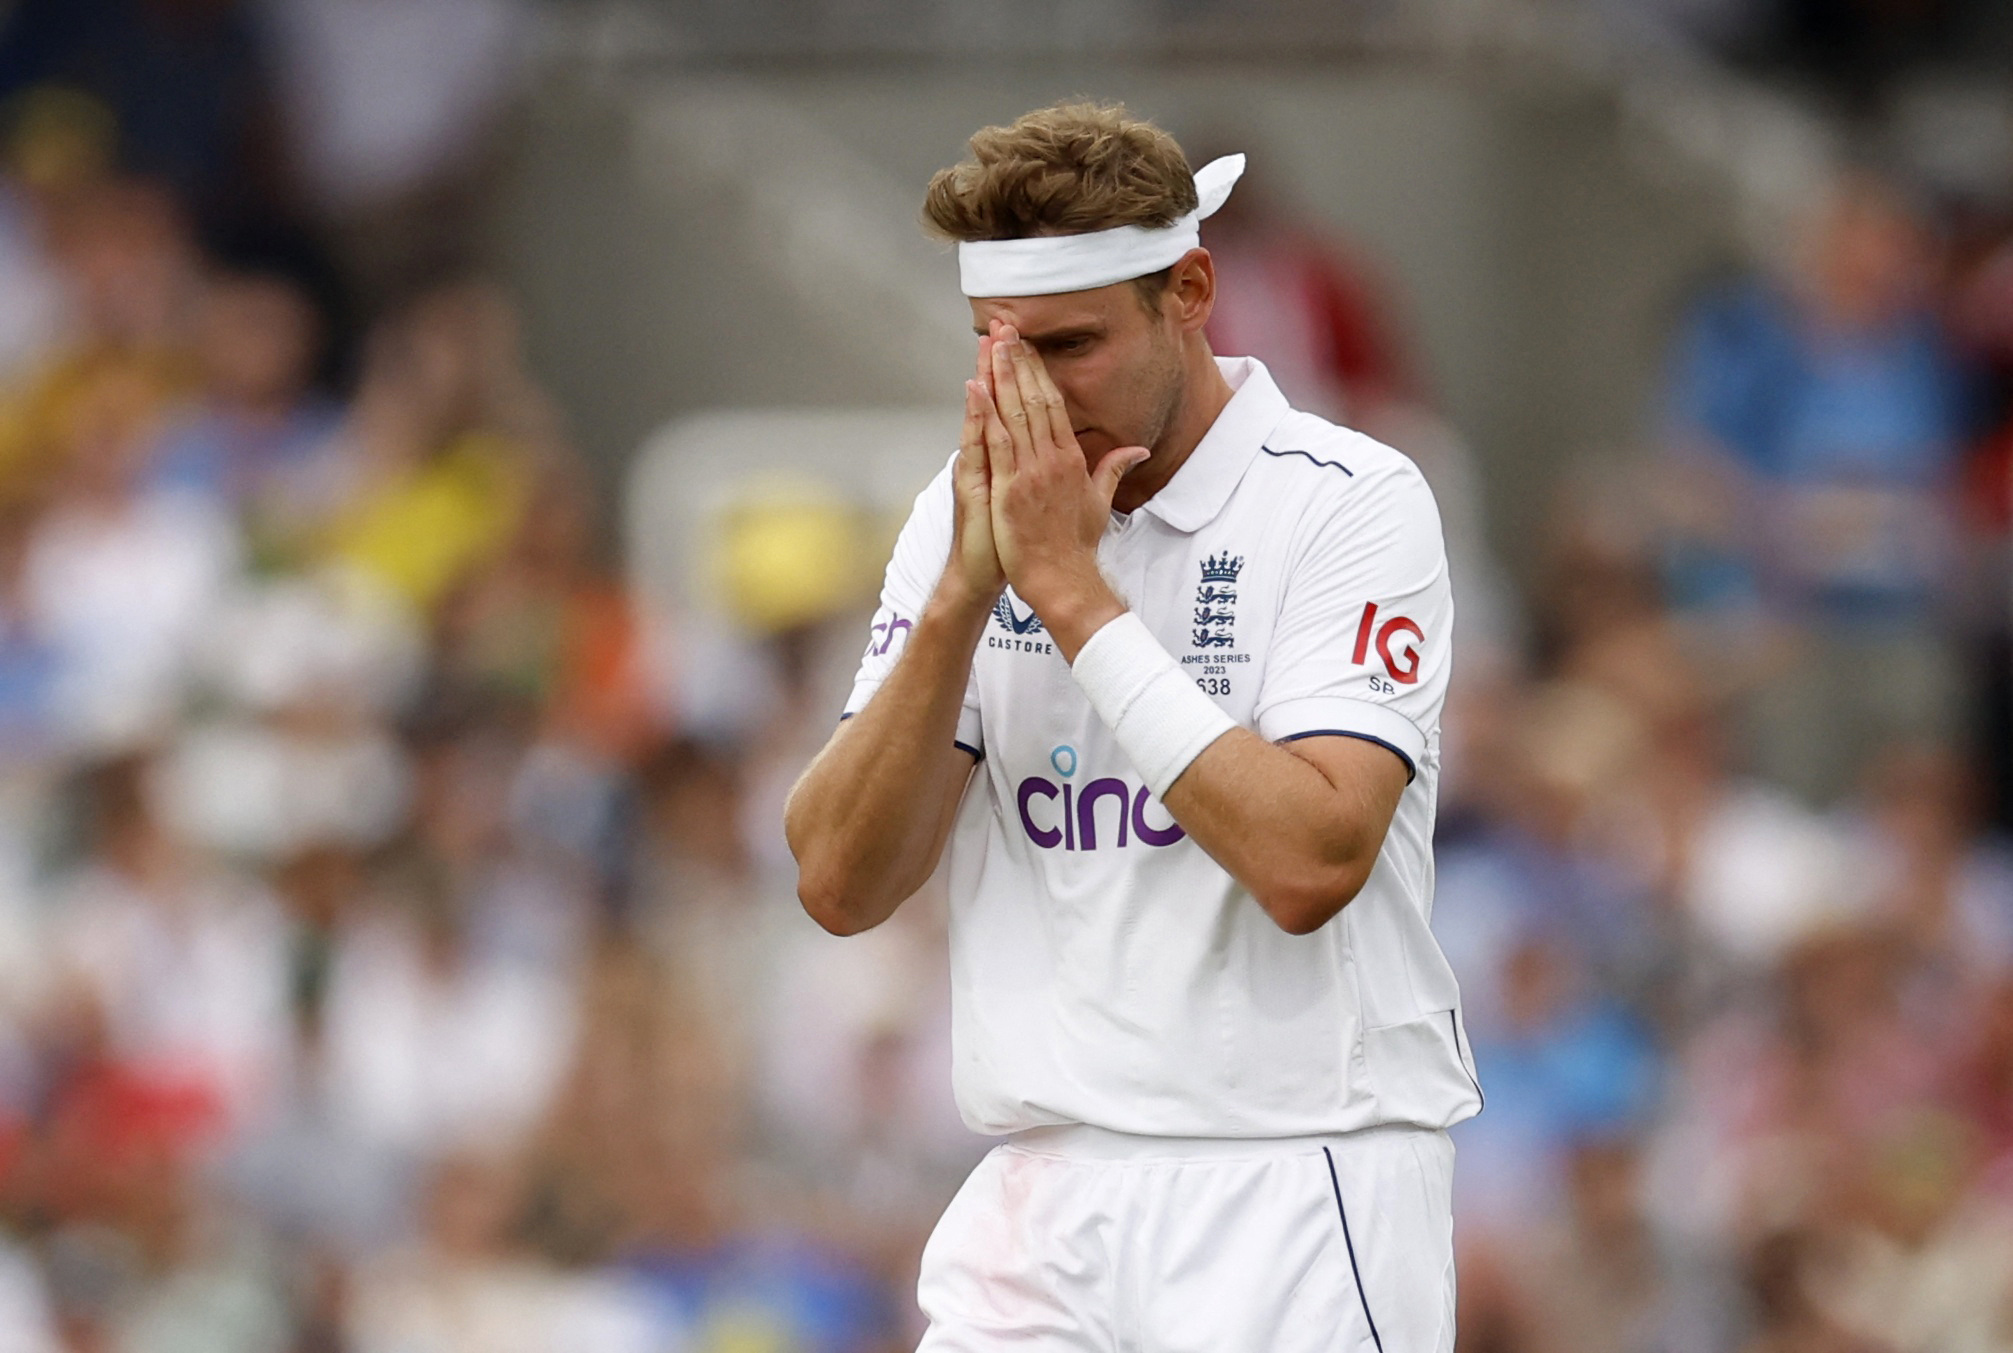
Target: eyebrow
{"type": "Point", "coordinates": [1056, 335]}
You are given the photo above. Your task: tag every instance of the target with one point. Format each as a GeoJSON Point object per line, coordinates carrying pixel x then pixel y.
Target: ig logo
{"type": "Point", "coordinates": [1402, 665]}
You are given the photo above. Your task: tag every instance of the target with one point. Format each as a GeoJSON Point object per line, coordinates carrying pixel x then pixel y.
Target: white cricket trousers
{"type": "Point", "coordinates": [1080, 1240]}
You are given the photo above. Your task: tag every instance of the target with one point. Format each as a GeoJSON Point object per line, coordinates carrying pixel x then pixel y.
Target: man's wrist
{"type": "Point", "coordinates": [1160, 720]}
{"type": "Point", "coordinates": [1075, 608]}
{"type": "Point", "coordinates": [957, 598]}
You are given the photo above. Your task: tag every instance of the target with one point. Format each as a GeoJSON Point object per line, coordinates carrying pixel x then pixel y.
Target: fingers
{"type": "Point", "coordinates": [972, 438]}
{"type": "Point", "coordinates": [1034, 396]}
{"type": "Point", "coordinates": [998, 442]}
{"type": "Point", "coordinates": [1113, 467]}
{"type": "Point", "coordinates": [1048, 433]}
{"type": "Point", "coordinates": [985, 371]}
{"type": "Point", "coordinates": [1013, 410]}
{"type": "Point", "coordinates": [1060, 432]}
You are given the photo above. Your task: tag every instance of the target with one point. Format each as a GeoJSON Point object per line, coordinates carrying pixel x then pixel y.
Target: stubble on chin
{"type": "Point", "coordinates": [1174, 387]}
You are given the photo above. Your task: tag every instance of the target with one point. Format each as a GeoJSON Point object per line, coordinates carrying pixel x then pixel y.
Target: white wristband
{"type": "Point", "coordinates": [1161, 719]}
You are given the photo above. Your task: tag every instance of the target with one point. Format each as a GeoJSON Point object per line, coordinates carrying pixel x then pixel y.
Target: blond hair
{"type": "Point", "coordinates": [1062, 170]}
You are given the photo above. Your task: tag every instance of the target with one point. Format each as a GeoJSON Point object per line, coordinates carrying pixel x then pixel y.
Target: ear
{"type": "Point", "coordinates": [1191, 291]}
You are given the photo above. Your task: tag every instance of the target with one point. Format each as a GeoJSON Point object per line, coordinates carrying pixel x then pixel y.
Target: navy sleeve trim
{"type": "Point", "coordinates": [976, 754]}
{"type": "Point", "coordinates": [1324, 464]}
{"type": "Point", "coordinates": [1411, 771]}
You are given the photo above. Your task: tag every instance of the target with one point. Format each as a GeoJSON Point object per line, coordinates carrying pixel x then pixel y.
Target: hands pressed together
{"type": "Point", "coordinates": [1029, 510]}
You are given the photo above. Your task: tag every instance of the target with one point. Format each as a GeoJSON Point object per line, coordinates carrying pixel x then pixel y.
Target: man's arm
{"type": "Point", "coordinates": [868, 820]}
{"type": "Point", "coordinates": [1299, 825]}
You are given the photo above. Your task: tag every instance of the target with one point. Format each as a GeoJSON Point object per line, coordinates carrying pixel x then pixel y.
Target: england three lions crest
{"type": "Point", "coordinates": [1216, 601]}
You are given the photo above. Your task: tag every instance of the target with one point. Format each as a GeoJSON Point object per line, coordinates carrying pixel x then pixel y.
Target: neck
{"type": "Point", "coordinates": [1204, 393]}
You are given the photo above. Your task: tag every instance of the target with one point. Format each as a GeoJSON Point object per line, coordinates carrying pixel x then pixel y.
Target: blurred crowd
{"type": "Point", "coordinates": [398, 956]}
{"type": "Point", "coordinates": [383, 966]}
{"type": "Point", "coordinates": [1724, 863]}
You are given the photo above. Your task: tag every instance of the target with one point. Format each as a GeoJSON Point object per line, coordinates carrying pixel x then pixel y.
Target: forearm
{"type": "Point", "coordinates": [1300, 842]}
{"type": "Point", "coordinates": [867, 821]}
{"type": "Point", "coordinates": [1300, 832]}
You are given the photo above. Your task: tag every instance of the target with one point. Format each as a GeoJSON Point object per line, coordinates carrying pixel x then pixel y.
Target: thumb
{"type": "Point", "coordinates": [1113, 467]}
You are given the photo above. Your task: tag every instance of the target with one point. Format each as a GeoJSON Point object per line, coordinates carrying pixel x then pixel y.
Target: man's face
{"type": "Point", "coordinates": [1116, 361]}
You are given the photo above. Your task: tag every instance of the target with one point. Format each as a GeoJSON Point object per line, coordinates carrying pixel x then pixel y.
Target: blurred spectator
{"type": "Point", "coordinates": [1589, 1281]}
{"type": "Point", "coordinates": [854, 1045]}
{"type": "Point", "coordinates": [470, 1287]}
{"type": "Point", "coordinates": [119, 578]}
{"type": "Point", "coordinates": [389, 111]}
{"type": "Point", "coordinates": [127, 268]}
{"type": "Point", "coordinates": [1762, 873]}
{"type": "Point", "coordinates": [1555, 852]}
{"type": "Point", "coordinates": [546, 629]}
{"type": "Point", "coordinates": [260, 333]}
{"type": "Point", "coordinates": [184, 965]}
{"type": "Point", "coordinates": [1816, 424]}
{"type": "Point", "coordinates": [447, 1025]}
{"type": "Point", "coordinates": [440, 452]}
{"type": "Point", "coordinates": [1926, 1262]}
{"type": "Point", "coordinates": [1941, 888]}
{"type": "Point", "coordinates": [1786, 1319]}
{"type": "Point", "coordinates": [1564, 1067]}
{"type": "Point", "coordinates": [1775, 1101]}
{"type": "Point", "coordinates": [641, 1164]}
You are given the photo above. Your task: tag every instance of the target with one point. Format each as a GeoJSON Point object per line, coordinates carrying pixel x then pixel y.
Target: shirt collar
{"type": "Point", "coordinates": [1204, 482]}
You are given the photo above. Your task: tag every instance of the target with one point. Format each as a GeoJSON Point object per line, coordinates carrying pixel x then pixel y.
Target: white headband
{"type": "Point", "coordinates": [1046, 264]}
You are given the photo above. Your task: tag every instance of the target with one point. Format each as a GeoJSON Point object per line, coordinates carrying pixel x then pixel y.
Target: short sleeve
{"type": "Point", "coordinates": [1363, 643]}
{"type": "Point", "coordinates": [921, 551]}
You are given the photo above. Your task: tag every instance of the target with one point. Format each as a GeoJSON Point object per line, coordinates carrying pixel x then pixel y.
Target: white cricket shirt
{"type": "Point", "coordinates": [1104, 969]}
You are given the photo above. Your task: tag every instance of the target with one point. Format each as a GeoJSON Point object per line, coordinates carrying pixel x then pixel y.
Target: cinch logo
{"type": "Point", "coordinates": [881, 635]}
{"type": "Point", "coordinates": [1072, 823]}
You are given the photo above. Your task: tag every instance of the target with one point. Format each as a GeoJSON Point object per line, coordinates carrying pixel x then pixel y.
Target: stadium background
{"type": "Point", "coordinates": [446, 448]}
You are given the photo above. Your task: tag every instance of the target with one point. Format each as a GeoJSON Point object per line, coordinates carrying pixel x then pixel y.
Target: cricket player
{"type": "Point", "coordinates": [1160, 662]}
